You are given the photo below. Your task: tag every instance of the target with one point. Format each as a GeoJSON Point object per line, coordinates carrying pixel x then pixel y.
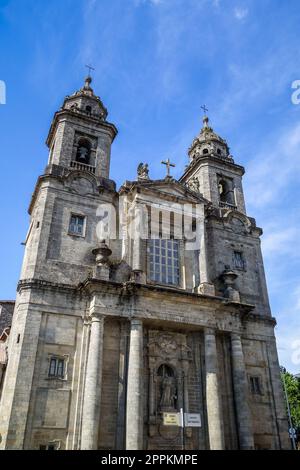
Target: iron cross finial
{"type": "Point", "coordinates": [168, 165]}
{"type": "Point", "coordinates": [204, 109]}
{"type": "Point", "coordinates": [89, 67]}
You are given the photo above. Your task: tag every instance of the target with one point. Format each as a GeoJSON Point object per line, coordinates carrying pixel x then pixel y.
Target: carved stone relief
{"type": "Point", "coordinates": [169, 358]}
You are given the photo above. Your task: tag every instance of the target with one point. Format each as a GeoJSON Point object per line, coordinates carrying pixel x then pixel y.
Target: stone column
{"type": "Point", "coordinates": [136, 257]}
{"type": "Point", "coordinates": [213, 403]}
{"type": "Point", "coordinates": [120, 438]}
{"type": "Point", "coordinates": [92, 389]}
{"type": "Point", "coordinates": [134, 409]}
{"type": "Point", "coordinates": [151, 393]}
{"type": "Point", "coordinates": [139, 235]}
{"type": "Point", "coordinates": [1, 374]}
{"type": "Point", "coordinates": [240, 387]}
{"type": "Point", "coordinates": [205, 287]}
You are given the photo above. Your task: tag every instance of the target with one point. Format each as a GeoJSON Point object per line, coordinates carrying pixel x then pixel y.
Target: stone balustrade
{"type": "Point", "coordinates": [82, 167]}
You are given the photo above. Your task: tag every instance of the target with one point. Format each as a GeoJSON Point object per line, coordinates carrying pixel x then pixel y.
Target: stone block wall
{"type": "Point", "coordinates": [6, 313]}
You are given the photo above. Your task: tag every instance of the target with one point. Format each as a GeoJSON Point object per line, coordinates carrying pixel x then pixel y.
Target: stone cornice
{"type": "Point", "coordinates": [223, 219]}
{"type": "Point", "coordinates": [61, 178]}
{"type": "Point", "coordinates": [40, 179]}
{"type": "Point", "coordinates": [154, 186]}
{"type": "Point", "coordinates": [92, 285]}
{"type": "Point", "coordinates": [255, 317]}
{"type": "Point", "coordinates": [89, 119]}
{"type": "Point", "coordinates": [134, 290]}
{"type": "Point", "coordinates": [210, 159]}
{"type": "Point", "coordinates": [24, 284]}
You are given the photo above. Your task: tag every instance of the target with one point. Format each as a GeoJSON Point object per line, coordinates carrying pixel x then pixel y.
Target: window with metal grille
{"type": "Point", "coordinates": [164, 261]}
{"type": "Point", "coordinates": [238, 260]}
{"type": "Point", "coordinates": [255, 385]}
{"type": "Point", "coordinates": [57, 367]}
{"type": "Point", "coordinates": [76, 226]}
{"type": "Point", "coordinates": [50, 446]}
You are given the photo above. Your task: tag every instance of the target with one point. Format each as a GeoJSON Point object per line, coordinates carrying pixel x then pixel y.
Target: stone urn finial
{"type": "Point", "coordinates": [229, 277]}
{"type": "Point", "coordinates": [102, 253]}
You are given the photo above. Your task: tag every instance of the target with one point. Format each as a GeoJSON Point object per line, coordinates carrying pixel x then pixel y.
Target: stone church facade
{"type": "Point", "coordinates": [139, 301]}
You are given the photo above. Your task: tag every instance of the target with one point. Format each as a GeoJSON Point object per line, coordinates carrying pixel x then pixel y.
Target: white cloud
{"type": "Point", "coordinates": [288, 329]}
{"type": "Point", "coordinates": [269, 173]}
{"type": "Point", "coordinates": [241, 13]}
{"type": "Point", "coordinates": [281, 241]}
{"type": "Point", "coordinates": [288, 340]}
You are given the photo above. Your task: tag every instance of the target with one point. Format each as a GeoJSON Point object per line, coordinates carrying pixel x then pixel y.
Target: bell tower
{"type": "Point", "coordinates": [213, 170]}
{"type": "Point", "coordinates": [80, 137]}
{"type": "Point", "coordinates": [234, 258]}
{"type": "Point", "coordinates": [63, 208]}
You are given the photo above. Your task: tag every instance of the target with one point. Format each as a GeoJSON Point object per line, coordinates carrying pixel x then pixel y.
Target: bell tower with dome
{"type": "Point", "coordinates": [80, 136]}
{"type": "Point", "coordinates": [213, 167]}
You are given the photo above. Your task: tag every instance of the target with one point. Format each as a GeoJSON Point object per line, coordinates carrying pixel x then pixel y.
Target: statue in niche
{"type": "Point", "coordinates": [168, 388]}
{"type": "Point", "coordinates": [143, 171]}
{"type": "Point", "coordinates": [168, 394]}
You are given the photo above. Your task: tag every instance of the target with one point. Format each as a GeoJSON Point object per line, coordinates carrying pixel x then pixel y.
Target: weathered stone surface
{"type": "Point", "coordinates": [134, 406]}
{"type": "Point", "coordinates": [213, 395]}
{"type": "Point", "coordinates": [6, 313]}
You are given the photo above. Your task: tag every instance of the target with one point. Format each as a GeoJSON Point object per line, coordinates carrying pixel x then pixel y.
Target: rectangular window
{"type": "Point", "coordinates": [50, 446]}
{"type": "Point", "coordinates": [57, 367]}
{"type": "Point", "coordinates": [238, 260]}
{"type": "Point", "coordinates": [164, 261]}
{"type": "Point", "coordinates": [255, 385]}
{"type": "Point", "coordinates": [76, 226]}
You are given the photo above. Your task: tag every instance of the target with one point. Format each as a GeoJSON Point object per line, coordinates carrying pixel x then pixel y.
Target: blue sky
{"type": "Point", "coordinates": [157, 62]}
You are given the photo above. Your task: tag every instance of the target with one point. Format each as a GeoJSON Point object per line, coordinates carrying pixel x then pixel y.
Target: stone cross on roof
{"type": "Point", "coordinates": [168, 165]}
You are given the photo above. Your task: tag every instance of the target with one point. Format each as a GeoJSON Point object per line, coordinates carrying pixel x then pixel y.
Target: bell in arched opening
{"type": "Point", "coordinates": [226, 191]}
{"type": "Point", "coordinates": [83, 154]}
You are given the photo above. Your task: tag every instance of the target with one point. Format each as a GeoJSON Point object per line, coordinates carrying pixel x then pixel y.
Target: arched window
{"type": "Point", "coordinates": [205, 151]}
{"type": "Point", "coordinates": [83, 152]}
{"type": "Point", "coordinates": [165, 371]}
{"type": "Point", "coordinates": [225, 191]}
{"type": "Point", "coordinates": [88, 109]}
{"type": "Point", "coordinates": [219, 152]}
